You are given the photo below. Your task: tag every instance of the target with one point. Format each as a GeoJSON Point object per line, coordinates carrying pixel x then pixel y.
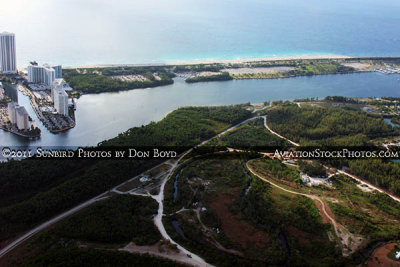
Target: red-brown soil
{"type": "Point", "coordinates": [235, 228]}
{"type": "Point", "coordinates": [380, 258]}
{"type": "Point", "coordinates": [302, 237]}
{"type": "Point", "coordinates": [325, 218]}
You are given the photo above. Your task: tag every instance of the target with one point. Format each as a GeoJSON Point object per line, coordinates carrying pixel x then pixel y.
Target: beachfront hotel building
{"type": "Point", "coordinates": [44, 74]}
{"type": "Point", "coordinates": [8, 59]}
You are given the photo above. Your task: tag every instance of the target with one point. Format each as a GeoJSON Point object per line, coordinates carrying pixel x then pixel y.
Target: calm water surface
{"type": "Point", "coordinates": [103, 116]}
{"type": "Point", "coordinates": [76, 32]}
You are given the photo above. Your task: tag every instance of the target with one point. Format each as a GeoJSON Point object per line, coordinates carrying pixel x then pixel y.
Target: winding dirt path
{"type": "Point", "coordinates": [345, 237]}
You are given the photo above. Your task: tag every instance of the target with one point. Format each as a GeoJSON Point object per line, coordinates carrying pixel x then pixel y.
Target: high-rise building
{"type": "Point", "coordinates": [11, 112]}
{"type": "Point", "coordinates": [59, 84]}
{"type": "Point", "coordinates": [58, 70]}
{"type": "Point", "coordinates": [49, 75]}
{"type": "Point", "coordinates": [61, 101]}
{"type": "Point", "coordinates": [22, 118]}
{"type": "Point", "coordinates": [18, 116]}
{"type": "Point", "coordinates": [43, 74]}
{"type": "Point", "coordinates": [8, 57]}
{"type": "Point", "coordinates": [35, 74]}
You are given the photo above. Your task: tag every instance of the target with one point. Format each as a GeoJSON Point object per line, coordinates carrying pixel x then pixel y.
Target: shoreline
{"type": "Point", "coordinates": [20, 134]}
{"type": "Point", "coordinates": [231, 61]}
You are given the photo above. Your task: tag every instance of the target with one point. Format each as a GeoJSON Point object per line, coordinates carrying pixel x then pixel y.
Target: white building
{"type": "Point", "coordinates": [22, 118]}
{"type": "Point", "coordinates": [35, 74]}
{"type": "Point", "coordinates": [58, 70]}
{"type": "Point", "coordinates": [61, 101]}
{"type": "Point", "coordinates": [59, 84]}
{"type": "Point", "coordinates": [44, 74]}
{"type": "Point", "coordinates": [49, 75]}
{"type": "Point", "coordinates": [8, 57]}
{"type": "Point", "coordinates": [18, 116]}
{"type": "Point", "coordinates": [2, 92]}
{"type": "Point", "coordinates": [11, 112]}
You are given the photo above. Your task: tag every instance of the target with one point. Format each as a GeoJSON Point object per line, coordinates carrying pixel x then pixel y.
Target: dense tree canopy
{"type": "Point", "coordinates": [121, 218]}
{"type": "Point", "coordinates": [183, 127]}
{"type": "Point", "coordinates": [331, 126]}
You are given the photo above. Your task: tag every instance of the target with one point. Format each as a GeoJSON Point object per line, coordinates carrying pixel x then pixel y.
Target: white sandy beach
{"type": "Point", "coordinates": [210, 61]}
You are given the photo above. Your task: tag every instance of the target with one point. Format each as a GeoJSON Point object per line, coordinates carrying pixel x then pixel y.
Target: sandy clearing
{"type": "Point", "coordinates": [359, 66]}
{"type": "Point", "coordinates": [171, 254]}
{"type": "Point", "coordinates": [257, 70]}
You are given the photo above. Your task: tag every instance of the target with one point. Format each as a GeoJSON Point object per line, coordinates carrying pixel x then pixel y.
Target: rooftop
{"type": "Point", "coordinates": [7, 33]}
{"type": "Point", "coordinates": [21, 110]}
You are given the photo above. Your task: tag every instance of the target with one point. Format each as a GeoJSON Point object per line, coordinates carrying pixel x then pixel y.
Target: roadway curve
{"type": "Point", "coordinates": [197, 261]}
{"type": "Point", "coordinates": [344, 236]}
{"type": "Point", "coordinates": [194, 259]}
{"type": "Point", "coordinates": [275, 133]}
{"type": "Point", "coordinates": [339, 171]}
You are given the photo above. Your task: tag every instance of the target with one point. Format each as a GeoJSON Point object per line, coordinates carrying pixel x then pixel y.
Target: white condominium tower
{"type": "Point", "coordinates": [22, 118]}
{"type": "Point", "coordinates": [7, 53]}
{"type": "Point", "coordinates": [11, 112]}
{"type": "Point", "coordinates": [18, 116]}
{"type": "Point", "coordinates": [58, 71]}
{"type": "Point", "coordinates": [61, 101]}
{"type": "Point", "coordinates": [44, 74]}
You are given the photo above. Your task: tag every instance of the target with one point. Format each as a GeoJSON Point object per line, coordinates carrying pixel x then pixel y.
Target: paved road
{"type": "Point", "coordinates": [342, 172]}
{"type": "Point", "coordinates": [198, 261]}
{"type": "Point", "coordinates": [194, 259]}
{"type": "Point", "coordinates": [34, 231]}
{"type": "Point", "coordinates": [275, 133]}
{"type": "Point", "coordinates": [369, 185]}
{"type": "Point", "coordinates": [58, 218]}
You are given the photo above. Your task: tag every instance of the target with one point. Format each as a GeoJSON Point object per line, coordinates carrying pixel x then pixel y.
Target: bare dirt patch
{"type": "Point", "coordinates": [160, 249]}
{"type": "Point", "coordinates": [234, 227]}
{"type": "Point", "coordinates": [258, 70]}
{"type": "Point", "coordinates": [130, 78]}
{"type": "Point", "coordinates": [380, 258]}
{"type": "Point", "coordinates": [325, 218]}
{"type": "Point", "coordinates": [359, 66]}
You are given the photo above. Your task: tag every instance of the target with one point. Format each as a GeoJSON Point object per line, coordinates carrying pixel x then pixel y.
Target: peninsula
{"type": "Point", "coordinates": [113, 78]}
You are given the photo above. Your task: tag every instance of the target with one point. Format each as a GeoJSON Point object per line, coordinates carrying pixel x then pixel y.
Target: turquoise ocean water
{"type": "Point", "coordinates": [72, 32]}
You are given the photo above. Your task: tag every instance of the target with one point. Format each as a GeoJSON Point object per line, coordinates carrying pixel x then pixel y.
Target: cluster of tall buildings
{"type": "Point", "coordinates": [43, 74]}
{"type": "Point", "coordinates": [8, 59]}
{"type": "Point", "coordinates": [59, 96]}
{"type": "Point", "coordinates": [49, 76]}
{"type": "Point", "coordinates": [18, 116]}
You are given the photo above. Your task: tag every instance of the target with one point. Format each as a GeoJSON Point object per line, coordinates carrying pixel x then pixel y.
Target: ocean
{"type": "Point", "coordinates": [72, 32]}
